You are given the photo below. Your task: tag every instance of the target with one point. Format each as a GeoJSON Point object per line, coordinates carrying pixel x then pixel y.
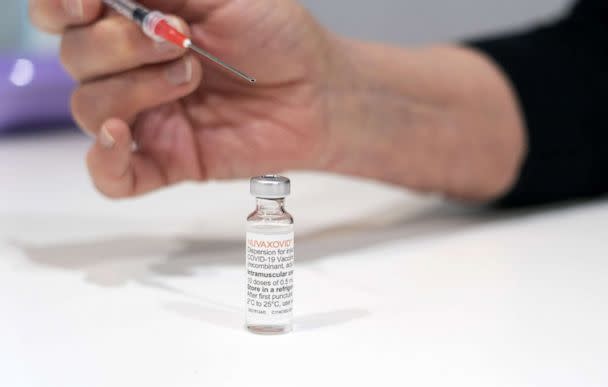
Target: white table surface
{"type": "Point", "coordinates": [391, 289]}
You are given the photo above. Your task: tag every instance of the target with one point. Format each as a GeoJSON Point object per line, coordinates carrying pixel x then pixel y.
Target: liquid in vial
{"type": "Point", "coordinates": [270, 258]}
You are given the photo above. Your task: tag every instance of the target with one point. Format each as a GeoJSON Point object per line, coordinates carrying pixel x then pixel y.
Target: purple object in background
{"type": "Point", "coordinates": [34, 93]}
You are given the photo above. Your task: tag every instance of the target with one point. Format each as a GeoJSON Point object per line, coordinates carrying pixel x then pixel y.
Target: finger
{"type": "Point", "coordinates": [116, 170]}
{"type": "Point", "coordinates": [113, 45]}
{"type": "Point", "coordinates": [56, 15]}
{"type": "Point", "coordinates": [189, 10]}
{"type": "Point", "coordinates": [126, 95]}
{"type": "Point", "coordinates": [165, 6]}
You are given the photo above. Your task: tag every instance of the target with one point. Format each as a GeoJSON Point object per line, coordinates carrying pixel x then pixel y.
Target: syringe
{"type": "Point", "coordinates": [157, 26]}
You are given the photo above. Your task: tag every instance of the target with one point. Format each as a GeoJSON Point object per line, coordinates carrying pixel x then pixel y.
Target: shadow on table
{"type": "Point", "coordinates": [116, 262]}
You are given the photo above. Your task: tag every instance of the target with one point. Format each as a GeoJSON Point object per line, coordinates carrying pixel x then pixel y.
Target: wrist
{"type": "Point", "coordinates": [343, 91]}
{"type": "Point", "coordinates": [441, 119]}
{"type": "Point", "coordinates": [373, 120]}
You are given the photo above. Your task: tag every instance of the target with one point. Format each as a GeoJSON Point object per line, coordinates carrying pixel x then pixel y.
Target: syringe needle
{"type": "Point", "coordinates": [219, 62]}
{"type": "Point", "coordinates": [157, 26]}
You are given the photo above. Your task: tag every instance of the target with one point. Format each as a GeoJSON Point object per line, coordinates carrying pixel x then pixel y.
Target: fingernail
{"type": "Point", "coordinates": [74, 8]}
{"type": "Point", "coordinates": [180, 72]}
{"type": "Point", "coordinates": [105, 138]}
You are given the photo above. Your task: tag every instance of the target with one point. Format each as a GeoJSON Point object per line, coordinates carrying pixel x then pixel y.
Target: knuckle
{"type": "Point", "coordinates": [127, 42]}
{"type": "Point", "coordinates": [90, 161]}
{"type": "Point", "coordinates": [32, 9]}
{"type": "Point", "coordinates": [105, 188]}
{"type": "Point", "coordinates": [66, 54]}
{"type": "Point", "coordinates": [110, 193]}
{"type": "Point", "coordinates": [37, 18]}
{"type": "Point", "coordinates": [113, 194]}
{"type": "Point", "coordinates": [113, 42]}
{"type": "Point", "coordinates": [79, 103]}
{"type": "Point", "coordinates": [76, 102]}
{"type": "Point", "coordinates": [133, 45]}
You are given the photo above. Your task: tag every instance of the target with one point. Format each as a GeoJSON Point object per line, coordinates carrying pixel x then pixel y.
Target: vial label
{"type": "Point", "coordinates": [270, 259]}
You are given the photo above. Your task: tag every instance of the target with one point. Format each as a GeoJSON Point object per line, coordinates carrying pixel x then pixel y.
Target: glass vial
{"type": "Point", "coordinates": [270, 258]}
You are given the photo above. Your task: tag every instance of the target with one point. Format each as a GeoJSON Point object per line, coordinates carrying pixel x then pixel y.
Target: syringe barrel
{"type": "Point", "coordinates": [151, 24]}
{"type": "Point", "coordinates": [150, 21]}
{"type": "Point", "coordinates": [127, 8]}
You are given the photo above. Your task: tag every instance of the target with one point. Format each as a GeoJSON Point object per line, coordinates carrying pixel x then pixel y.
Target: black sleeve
{"type": "Point", "coordinates": [560, 74]}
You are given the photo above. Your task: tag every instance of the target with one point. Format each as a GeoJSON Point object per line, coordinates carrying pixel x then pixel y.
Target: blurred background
{"type": "Point", "coordinates": [16, 32]}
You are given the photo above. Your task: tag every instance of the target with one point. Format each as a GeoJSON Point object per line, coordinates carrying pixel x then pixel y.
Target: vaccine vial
{"type": "Point", "coordinates": [270, 258]}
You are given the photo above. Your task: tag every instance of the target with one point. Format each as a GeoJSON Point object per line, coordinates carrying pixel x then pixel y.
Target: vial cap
{"type": "Point", "coordinates": [270, 187]}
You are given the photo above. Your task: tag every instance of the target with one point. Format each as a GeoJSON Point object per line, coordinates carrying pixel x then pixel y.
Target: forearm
{"type": "Point", "coordinates": [440, 119]}
{"type": "Point", "coordinates": [559, 73]}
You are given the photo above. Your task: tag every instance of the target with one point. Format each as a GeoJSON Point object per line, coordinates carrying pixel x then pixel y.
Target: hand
{"type": "Point", "coordinates": [186, 119]}
{"type": "Point", "coordinates": [442, 119]}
